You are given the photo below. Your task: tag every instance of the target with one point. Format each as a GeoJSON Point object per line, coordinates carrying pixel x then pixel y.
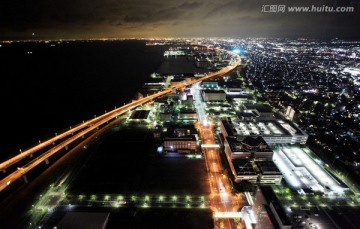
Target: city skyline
{"type": "Point", "coordinates": [157, 18]}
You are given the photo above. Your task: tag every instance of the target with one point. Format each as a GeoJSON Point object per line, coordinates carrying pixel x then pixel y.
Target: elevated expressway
{"type": "Point", "coordinates": [84, 128]}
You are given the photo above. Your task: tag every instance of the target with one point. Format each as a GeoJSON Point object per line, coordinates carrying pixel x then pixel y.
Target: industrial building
{"type": "Point", "coordinates": [261, 172]}
{"type": "Point", "coordinates": [155, 83]}
{"type": "Point", "coordinates": [210, 84]}
{"type": "Point", "coordinates": [238, 98]}
{"type": "Point", "coordinates": [304, 174]}
{"type": "Point", "coordinates": [213, 95]}
{"type": "Point", "coordinates": [243, 170]}
{"type": "Point", "coordinates": [262, 111]}
{"type": "Point", "coordinates": [187, 115]}
{"type": "Point", "coordinates": [188, 101]}
{"type": "Point", "coordinates": [165, 116]}
{"type": "Point", "coordinates": [268, 172]}
{"type": "Point", "coordinates": [250, 159]}
{"type": "Point", "coordinates": [266, 201]}
{"type": "Point", "coordinates": [247, 148]}
{"type": "Point", "coordinates": [272, 131]}
{"type": "Point", "coordinates": [181, 139]}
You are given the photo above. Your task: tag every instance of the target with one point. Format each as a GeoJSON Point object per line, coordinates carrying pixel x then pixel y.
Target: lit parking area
{"type": "Point", "coordinates": [313, 218]}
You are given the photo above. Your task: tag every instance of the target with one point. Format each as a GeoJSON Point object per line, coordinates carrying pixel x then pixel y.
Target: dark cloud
{"type": "Point", "coordinates": [191, 5]}
{"type": "Point", "coordinates": [163, 14]}
{"type": "Point", "coordinates": [160, 15]}
{"type": "Point", "coordinates": [170, 18]}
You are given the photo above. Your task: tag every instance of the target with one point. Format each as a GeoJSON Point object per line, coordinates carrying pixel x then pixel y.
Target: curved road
{"type": "Point", "coordinates": [90, 125]}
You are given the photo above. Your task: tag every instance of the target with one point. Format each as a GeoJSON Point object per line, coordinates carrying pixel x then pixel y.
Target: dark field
{"type": "Point", "coordinates": [162, 218]}
{"type": "Point", "coordinates": [150, 218]}
{"type": "Point", "coordinates": [125, 164]}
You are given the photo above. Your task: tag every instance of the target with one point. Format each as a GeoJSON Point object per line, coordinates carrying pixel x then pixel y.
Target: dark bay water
{"type": "Point", "coordinates": [47, 87]}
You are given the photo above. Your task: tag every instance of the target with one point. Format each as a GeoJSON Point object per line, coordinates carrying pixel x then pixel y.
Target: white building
{"type": "Point", "coordinates": [272, 131]}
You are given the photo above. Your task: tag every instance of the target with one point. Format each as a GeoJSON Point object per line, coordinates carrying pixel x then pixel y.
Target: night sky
{"type": "Point", "coordinates": [86, 19]}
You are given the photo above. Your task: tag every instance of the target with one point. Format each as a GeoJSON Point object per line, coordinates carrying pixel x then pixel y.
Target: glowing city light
{"type": "Point", "coordinates": [237, 51]}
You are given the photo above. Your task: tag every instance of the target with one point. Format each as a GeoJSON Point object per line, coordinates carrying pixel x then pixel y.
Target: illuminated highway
{"type": "Point", "coordinates": [221, 198]}
{"type": "Point", "coordinates": [84, 128]}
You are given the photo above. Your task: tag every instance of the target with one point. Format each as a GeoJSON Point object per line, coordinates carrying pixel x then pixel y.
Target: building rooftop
{"type": "Point", "coordinates": [262, 108]}
{"type": "Point", "coordinates": [267, 167]}
{"type": "Point", "coordinates": [214, 91]}
{"type": "Point", "coordinates": [180, 132]}
{"type": "Point", "coordinates": [248, 144]}
{"type": "Point", "coordinates": [228, 125]}
{"type": "Point", "coordinates": [140, 114]}
{"type": "Point", "coordinates": [210, 83]}
{"type": "Point", "coordinates": [240, 96]}
{"type": "Point", "coordinates": [243, 167]}
{"type": "Point", "coordinates": [263, 128]}
{"type": "Point", "coordinates": [248, 114]}
{"type": "Point", "coordinates": [188, 111]}
{"type": "Point", "coordinates": [259, 128]}
{"type": "Point", "coordinates": [301, 171]}
{"type": "Point", "coordinates": [290, 127]}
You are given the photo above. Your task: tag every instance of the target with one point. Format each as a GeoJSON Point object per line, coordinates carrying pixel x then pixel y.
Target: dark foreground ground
{"type": "Point", "coordinates": [126, 163]}
{"type": "Point", "coordinates": [149, 218]}
{"type": "Point", "coordinates": [123, 163]}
